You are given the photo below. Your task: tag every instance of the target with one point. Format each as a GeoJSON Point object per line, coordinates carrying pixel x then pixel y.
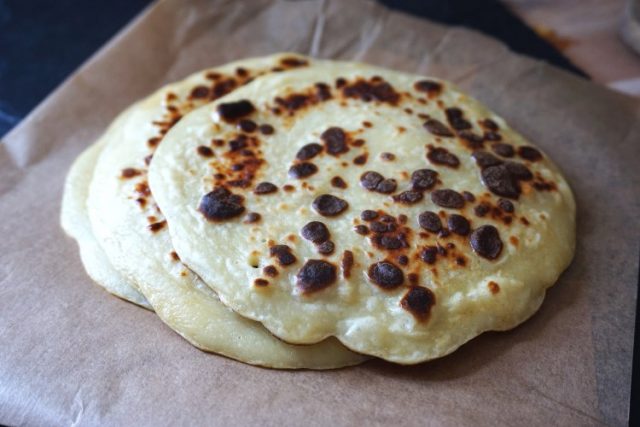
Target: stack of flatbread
{"type": "Point", "coordinates": [299, 213]}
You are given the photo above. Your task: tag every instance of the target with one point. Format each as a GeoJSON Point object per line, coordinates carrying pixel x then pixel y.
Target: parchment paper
{"type": "Point", "coordinates": [71, 354]}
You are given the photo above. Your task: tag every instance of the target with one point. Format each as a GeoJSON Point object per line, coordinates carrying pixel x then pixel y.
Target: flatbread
{"type": "Point", "coordinates": [75, 222]}
{"type": "Point", "coordinates": [387, 209]}
{"type": "Point", "coordinates": [131, 230]}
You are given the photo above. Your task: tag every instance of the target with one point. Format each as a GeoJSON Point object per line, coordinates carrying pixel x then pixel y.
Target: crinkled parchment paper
{"type": "Point", "coordinates": [73, 354]}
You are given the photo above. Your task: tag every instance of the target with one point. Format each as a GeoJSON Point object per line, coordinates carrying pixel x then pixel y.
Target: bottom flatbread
{"type": "Point", "coordinates": [75, 222]}
{"type": "Point", "coordinates": [193, 311]}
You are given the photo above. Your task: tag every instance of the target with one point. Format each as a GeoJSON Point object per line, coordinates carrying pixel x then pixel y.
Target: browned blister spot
{"type": "Point", "coordinates": [204, 151]}
{"type": "Point", "coordinates": [423, 179]}
{"type": "Point", "coordinates": [386, 275]}
{"type": "Point", "coordinates": [220, 204]}
{"type": "Point", "coordinates": [222, 87]}
{"type": "Point", "coordinates": [429, 254]}
{"type": "Point", "coordinates": [270, 271]}
{"type": "Point", "coordinates": [174, 256]}
{"type": "Point", "coordinates": [503, 149]}
{"type": "Point", "coordinates": [234, 111]}
{"type": "Point", "coordinates": [391, 238]}
{"type": "Point", "coordinates": [323, 91]}
{"type": "Point", "coordinates": [293, 102]}
{"type": "Point", "coordinates": [413, 278]}
{"type": "Point", "coordinates": [361, 159]}
{"type": "Point", "coordinates": [506, 205]}
{"type": "Point", "coordinates": [238, 166]}
{"type": "Point", "coordinates": [163, 127]}
{"type": "Point", "coordinates": [442, 156]}
{"type": "Point", "coordinates": [438, 128]}
{"type": "Point", "coordinates": [157, 226]}
{"type": "Point", "coordinates": [529, 153]}
{"type": "Point", "coordinates": [328, 205]}
{"type": "Point", "coordinates": [489, 124]}
{"type": "Point", "coordinates": [153, 142]}
{"type": "Point", "coordinates": [252, 218]}
{"type": "Point", "coordinates": [326, 248]}
{"type": "Point", "coordinates": [316, 232]}
{"type": "Point", "coordinates": [374, 181]}
{"type": "Point", "coordinates": [130, 173]}
{"type": "Point", "coordinates": [448, 198]}
{"type": "Point", "coordinates": [338, 182]}
{"type": "Point", "coordinates": [418, 301]}
{"type": "Point", "coordinates": [266, 129]}
{"type": "Point", "coordinates": [368, 215]}
{"type": "Point", "coordinates": [335, 141]}
{"type": "Point", "coordinates": [541, 184]}
{"type": "Point", "coordinates": [429, 87]}
{"type": "Point", "coordinates": [199, 92]}
{"type": "Point", "coordinates": [485, 159]}
{"type": "Point", "coordinates": [315, 275]}
{"type": "Point", "coordinates": [471, 140]}
{"type": "Point", "coordinates": [501, 177]}
{"type": "Point", "coordinates": [309, 151]}
{"type": "Point", "coordinates": [482, 209]}
{"type": "Point", "coordinates": [347, 263]}
{"type": "Point", "coordinates": [265, 188]}
{"type": "Point", "coordinates": [293, 62]}
{"type": "Point", "coordinates": [361, 229]}
{"type": "Point", "coordinates": [468, 196]}
{"type": "Point", "coordinates": [459, 224]}
{"type": "Point", "coordinates": [494, 288]}
{"type": "Point", "coordinates": [456, 119]}
{"type": "Point", "coordinates": [387, 157]}
{"type": "Point", "coordinates": [261, 282]}
{"type": "Point", "coordinates": [283, 254]}
{"type": "Point", "coordinates": [247, 125]}
{"type": "Point", "coordinates": [499, 180]}
{"type": "Point", "coordinates": [302, 170]}
{"type": "Point", "coordinates": [485, 241]}
{"type": "Point", "coordinates": [492, 136]}
{"type": "Point", "coordinates": [408, 197]}
{"type": "Point", "coordinates": [460, 261]}
{"type": "Point", "coordinates": [370, 90]}
{"type": "Point", "coordinates": [142, 188]}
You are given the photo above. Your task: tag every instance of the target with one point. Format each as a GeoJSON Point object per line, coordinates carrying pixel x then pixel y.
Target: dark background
{"type": "Point", "coordinates": [42, 42]}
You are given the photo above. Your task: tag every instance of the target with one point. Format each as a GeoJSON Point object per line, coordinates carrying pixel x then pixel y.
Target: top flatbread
{"type": "Point", "coordinates": [386, 209]}
{"type": "Point", "coordinates": [131, 230]}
